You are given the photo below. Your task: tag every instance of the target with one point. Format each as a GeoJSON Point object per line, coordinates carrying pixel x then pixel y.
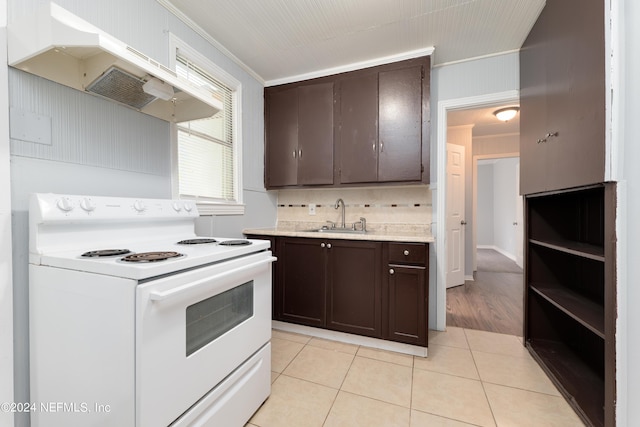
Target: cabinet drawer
{"type": "Point", "coordinates": [408, 253]}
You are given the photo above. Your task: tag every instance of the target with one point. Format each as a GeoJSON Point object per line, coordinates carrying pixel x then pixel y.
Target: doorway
{"type": "Point", "coordinates": [441, 247]}
{"type": "Point", "coordinates": [491, 300]}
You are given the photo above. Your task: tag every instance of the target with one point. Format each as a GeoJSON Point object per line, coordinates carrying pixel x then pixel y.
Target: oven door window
{"type": "Point", "coordinates": [214, 316]}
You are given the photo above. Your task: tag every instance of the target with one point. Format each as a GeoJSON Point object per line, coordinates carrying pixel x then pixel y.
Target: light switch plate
{"type": "Point", "coordinates": [312, 208]}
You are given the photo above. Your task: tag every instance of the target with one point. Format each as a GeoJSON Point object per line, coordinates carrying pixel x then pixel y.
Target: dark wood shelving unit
{"type": "Point", "coordinates": [581, 309]}
{"type": "Point", "coordinates": [570, 295]}
{"type": "Point", "coordinates": [583, 387]}
{"type": "Point", "coordinates": [574, 248]}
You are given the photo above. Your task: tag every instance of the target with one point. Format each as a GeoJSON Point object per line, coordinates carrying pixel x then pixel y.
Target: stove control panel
{"type": "Point", "coordinates": [58, 207]}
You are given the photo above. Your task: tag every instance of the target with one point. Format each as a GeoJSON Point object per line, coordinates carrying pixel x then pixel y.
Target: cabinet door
{"type": "Point", "coordinates": [533, 109]}
{"type": "Point", "coordinates": [315, 134]}
{"type": "Point", "coordinates": [400, 128]}
{"type": "Point", "coordinates": [302, 275]}
{"type": "Point", "coordinates": [562, 78]}
{"type": "Point", "coordinates": [354, 287]}
{"type": "Point", "coordinates": [282, 137]}
{"type": "Point", "coordinates": [407, 304]}
{"type": "Point", "coordinates": [576, 93]}
{"type": "Point", "coordinates": [359, 129]}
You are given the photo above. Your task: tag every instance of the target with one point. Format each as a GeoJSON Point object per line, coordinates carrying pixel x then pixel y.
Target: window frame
{"type": "Point", "coordinates": [209, 207]}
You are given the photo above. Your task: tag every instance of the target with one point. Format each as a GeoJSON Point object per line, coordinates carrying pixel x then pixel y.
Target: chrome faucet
{"type": "Point", "coordinates": [336, 207]}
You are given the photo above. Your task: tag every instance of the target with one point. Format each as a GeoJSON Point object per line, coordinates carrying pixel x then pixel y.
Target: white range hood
{"type": "Point", "coordinates": [57, 45]}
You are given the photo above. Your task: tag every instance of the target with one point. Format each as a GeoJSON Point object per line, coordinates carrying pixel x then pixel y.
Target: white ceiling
{"type": "Point", "coordinates": [284, 40]}
{"type": "Point", "coordinates": [484, 122]}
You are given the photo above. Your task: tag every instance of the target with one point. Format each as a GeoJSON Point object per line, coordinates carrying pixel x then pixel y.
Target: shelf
{"type": "Point", "coordinates": [584, 250]}
{"type": "Point", "coordinates": [583, 386]}
{"type": "Point", "coordinates": [584, 311]}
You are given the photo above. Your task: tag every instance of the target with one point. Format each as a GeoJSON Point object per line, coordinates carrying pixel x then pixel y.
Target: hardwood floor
{"type": "Point", "coordinates": [493, 302]}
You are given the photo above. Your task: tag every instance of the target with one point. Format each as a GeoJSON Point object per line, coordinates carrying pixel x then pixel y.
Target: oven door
{"type": "Point", "coordinates": [195, 328]}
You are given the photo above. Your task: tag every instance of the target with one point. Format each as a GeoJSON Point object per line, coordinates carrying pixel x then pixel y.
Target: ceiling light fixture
{"type": "Point", "coordinates": [506, 114]}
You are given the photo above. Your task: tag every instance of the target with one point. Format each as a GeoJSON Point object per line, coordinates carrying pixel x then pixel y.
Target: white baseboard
{"type": "Point", "coordinates": [326, 334]}
{"type": "Point", "coordinates": [511, 256]}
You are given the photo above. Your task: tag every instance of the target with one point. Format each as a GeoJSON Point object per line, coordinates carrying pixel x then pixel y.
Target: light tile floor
{"type": "Point", "coordinates": [471, 378]}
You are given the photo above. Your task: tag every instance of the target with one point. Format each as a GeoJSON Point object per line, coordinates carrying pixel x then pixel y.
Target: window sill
{"type": "Point", "coordinates": [205, 208]}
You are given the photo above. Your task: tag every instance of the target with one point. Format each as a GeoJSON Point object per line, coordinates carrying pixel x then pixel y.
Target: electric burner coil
{"type": "Point", "coordinates": [235, 243]}
{"type": "Point", "coordinates": [196, 241]}
{"type": "Point", "coordinates": [151, 256]}
{"type": "Point", "coordinates": [105, 253]}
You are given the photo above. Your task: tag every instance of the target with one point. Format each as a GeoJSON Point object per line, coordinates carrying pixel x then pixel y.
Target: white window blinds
{"type": "Point", "coordinates": [205, 146]}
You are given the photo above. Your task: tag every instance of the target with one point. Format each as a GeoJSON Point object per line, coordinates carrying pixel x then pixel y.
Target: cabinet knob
{"type": "Point", "coordinates": [322, 245]}
{"type": "Point", "coordinates": [294, 154]}
{"type": "Point", "coordinates": [328, 245]}
{"type": "Point", "coordinates": [391, 271]}
{"type": "Point", "coordinates": [406, 252]}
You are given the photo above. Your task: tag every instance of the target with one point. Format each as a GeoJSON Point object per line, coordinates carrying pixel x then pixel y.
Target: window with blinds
{"type": "Point", "coordinates": [205, 147]}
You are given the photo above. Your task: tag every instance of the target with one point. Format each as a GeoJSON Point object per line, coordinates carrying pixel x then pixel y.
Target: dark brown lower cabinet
{"type": "Point", "coordinates": [570, 307]}
{"type": "Point", "coordinates": [344, 285]}
{"type": "Point", "coordinates": [354, 287]}
{"type": "Point", "coordinates": [300, 290]}
{"type": "Point", "coordinates": [406, 289]}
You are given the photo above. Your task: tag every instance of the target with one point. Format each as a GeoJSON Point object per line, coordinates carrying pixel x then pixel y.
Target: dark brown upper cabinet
{"type": "Point", "coordinates": [562, 98]}
{"type": "Point", "coordinates": [299, 126]}
{"type": "Point", "coordinates": [380, 132]}
{"type": "Point", "coordinates": [377, 125]}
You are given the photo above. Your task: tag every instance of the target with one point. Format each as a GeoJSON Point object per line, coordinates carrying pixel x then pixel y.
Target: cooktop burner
{"type": "Point", "coordinates": [196, 241]}
{"type": "Point", "coordinates": [151, 256]}
{"type": "Point", "coordinates": [235, 243]}
{"type": "Point", "coordinates": [105, 253]}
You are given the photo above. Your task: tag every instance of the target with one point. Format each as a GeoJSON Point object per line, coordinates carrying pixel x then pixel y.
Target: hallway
{"type": "Point", "coordinates": [493, 302]}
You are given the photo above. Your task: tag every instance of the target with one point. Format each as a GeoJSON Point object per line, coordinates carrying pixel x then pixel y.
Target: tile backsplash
{"type": "Point", "coordinates": [383, 207]}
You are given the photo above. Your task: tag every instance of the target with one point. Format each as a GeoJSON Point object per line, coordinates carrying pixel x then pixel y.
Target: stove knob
{"type": "Point", "coordinates": [64, 204]}
{"type": "Point", "coordinates": [176, 207]}
{"type": "Point", "coordinates": [139, 206]}
{"type": "Point", "coordinates": [87, 205]}
{"type": "Point", "coordinates": [188, 207]}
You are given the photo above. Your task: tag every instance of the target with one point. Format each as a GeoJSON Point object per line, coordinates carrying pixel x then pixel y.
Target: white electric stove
{"type": "Point", "coordinates": [136, 321]}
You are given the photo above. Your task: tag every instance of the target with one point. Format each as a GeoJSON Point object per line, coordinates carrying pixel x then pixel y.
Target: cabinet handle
{"type": "Point", "coordinates": [373, 146]}
{"type": "Point", "coordinates": [406, 252]}
{"type": "Point", "coordinates": [328, 245]}
{"type": "Point", "coordinates": [300, 153]}
{"type": "Point", "coordinates": [381, 146]}
{"type": "Point", "coordinates": [392, 271]}
{"type": "Point", "coordinates": [294, 154]}
{"type": "Point", "coordinates": [322, 245]}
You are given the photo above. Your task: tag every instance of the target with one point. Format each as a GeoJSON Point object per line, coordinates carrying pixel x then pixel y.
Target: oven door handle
{"type": "Point", "coordinates": [200, 285]}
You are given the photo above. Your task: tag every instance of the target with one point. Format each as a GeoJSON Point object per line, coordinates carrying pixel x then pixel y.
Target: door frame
{"type": "Point", "coordinates": [441, 191]}
{"type": "Point", "coordinates": [474, 197]}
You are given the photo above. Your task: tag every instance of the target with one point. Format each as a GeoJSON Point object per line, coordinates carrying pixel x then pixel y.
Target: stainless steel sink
{"type": "Point", "coordinates": [336, 230]}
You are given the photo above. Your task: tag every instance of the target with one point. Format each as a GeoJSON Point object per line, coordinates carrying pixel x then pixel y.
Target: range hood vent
{"type": "Point", "coordinates": [59, 46]}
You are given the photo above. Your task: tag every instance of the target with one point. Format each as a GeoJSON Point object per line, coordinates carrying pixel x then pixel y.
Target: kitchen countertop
{"type": "Point", "coordinates": [376, 232]}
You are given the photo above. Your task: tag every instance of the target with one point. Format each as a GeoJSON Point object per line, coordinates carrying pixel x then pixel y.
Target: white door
{"type": "Point", "coordinates": [518, 223]}
{"type": "Point", "coordinates": [455, 215]}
